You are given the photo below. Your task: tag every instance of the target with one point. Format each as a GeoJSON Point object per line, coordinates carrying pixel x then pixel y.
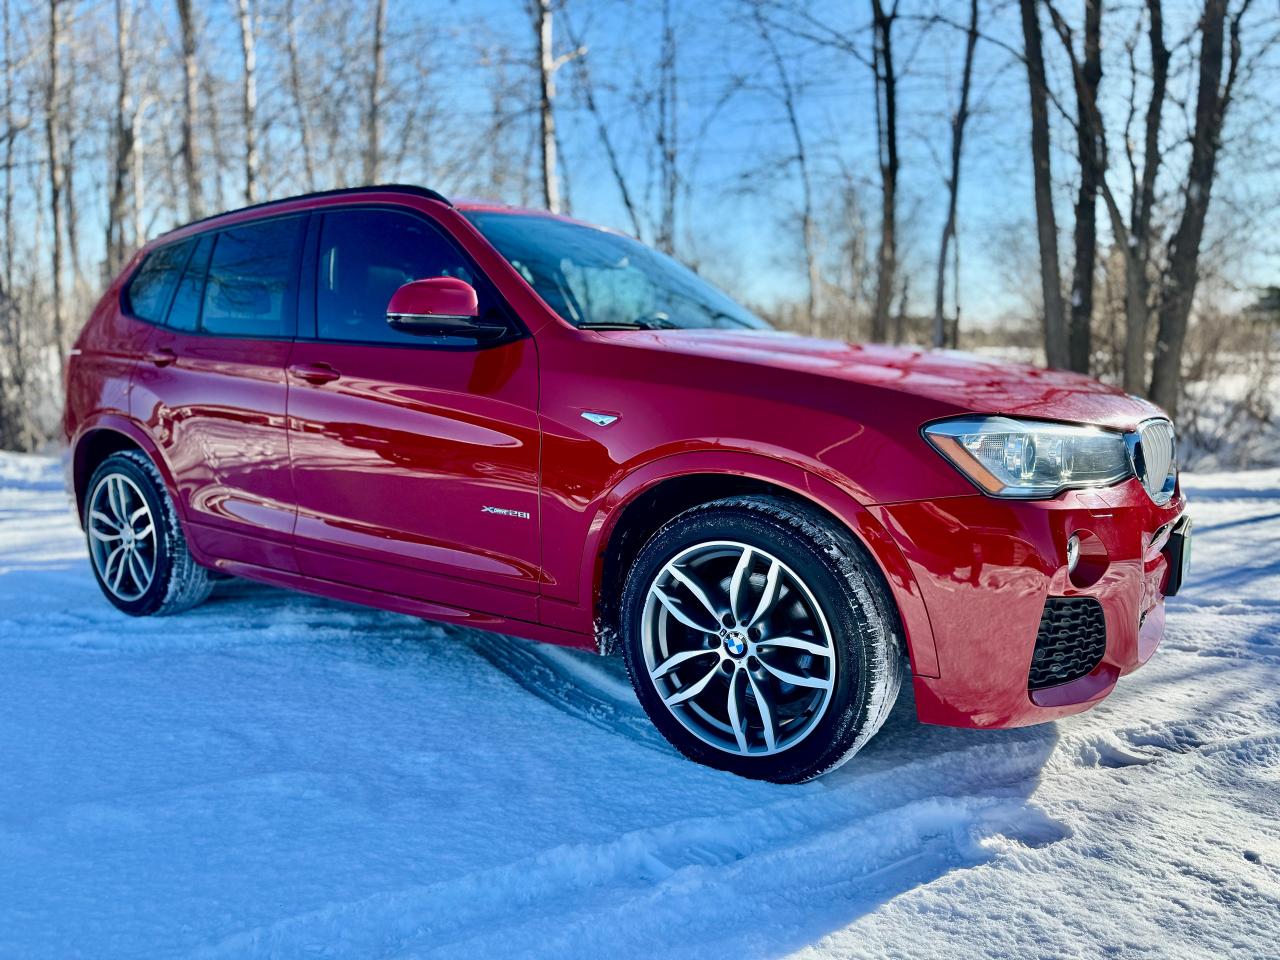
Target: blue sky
{"type": "Point", "coordinates": [742, 191]}
{"type": "Point", "coordinates": [737, 216]}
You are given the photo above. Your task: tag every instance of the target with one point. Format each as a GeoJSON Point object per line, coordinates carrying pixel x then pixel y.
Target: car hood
{"type": "Point", "coordinates": [967, 382]}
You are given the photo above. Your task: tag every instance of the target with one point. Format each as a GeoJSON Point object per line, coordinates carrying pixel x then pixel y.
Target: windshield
{"type": "Point", "coordinates": [597, 279]}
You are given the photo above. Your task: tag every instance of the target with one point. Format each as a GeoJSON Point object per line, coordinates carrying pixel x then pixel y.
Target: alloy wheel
{"type": "Point", "coordinates": [738, 649]}
{"type": "Point", "coordinates": [122, 536]}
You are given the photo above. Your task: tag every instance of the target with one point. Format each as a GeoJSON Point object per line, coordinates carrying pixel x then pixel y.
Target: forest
{"type": "Point", "coordinates": [1086, 184]}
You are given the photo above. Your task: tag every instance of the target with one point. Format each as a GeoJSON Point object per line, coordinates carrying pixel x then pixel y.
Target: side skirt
{"type": "Point", "coordinates": [407, 605]}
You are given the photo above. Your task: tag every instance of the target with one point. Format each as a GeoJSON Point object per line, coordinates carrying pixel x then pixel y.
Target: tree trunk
{"type": "Point", "coordinates": [1055, 332]}
{"type": "Point", "coordinates": [249, 101]}
{"type": "Point", "coordinates": [904, 307]}
{"type": "Point", "coordinates": [122, 156]}
{"type": "Point", "coordinates": [190, 103]}
{"type": "Point", "coordinates": [53, 121]}
{"type": "Point", "coordinates": [1079, 334]}
{"type": "Point", "coordinates": [10, 137]}
{"type": "Point", "coordinates": [887, 130]}
{"type": "Point", "coordinates": [1137, 299]}
{"type": "Point", "coordinates": [953, 180]}
{"type": "Point", "coordinates": [1212, 99]}
{"type": "Point", "coordinates": [372, 154]}
{"type": "Point", "coordinates": [295, 92]}
{"type": "Point", "coordinates": [546, 105]}
{"type": "Point", "coordinates": [668, 135]}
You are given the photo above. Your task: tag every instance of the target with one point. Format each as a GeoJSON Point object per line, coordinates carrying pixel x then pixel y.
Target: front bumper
{"type": "Point", "coordinates": [985, 568]}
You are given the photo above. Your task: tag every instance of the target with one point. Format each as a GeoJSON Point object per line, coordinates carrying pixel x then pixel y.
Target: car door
{"type": "Point", "coordinates": [212, 390]}
{"type": "Point", "coordinates": [415, 459]}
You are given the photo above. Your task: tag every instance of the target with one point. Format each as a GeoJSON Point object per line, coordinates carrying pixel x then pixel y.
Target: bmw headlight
{"type": "Point", "coordinates": [1028, 459]}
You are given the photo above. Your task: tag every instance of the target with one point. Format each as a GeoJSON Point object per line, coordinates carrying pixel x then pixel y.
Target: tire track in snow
{"type": "Point", "coordinates": [894, 823]}
{"type": "Point", "coordinates": [591, 688]}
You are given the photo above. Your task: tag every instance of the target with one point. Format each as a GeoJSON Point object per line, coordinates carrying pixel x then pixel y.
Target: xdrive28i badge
{"type": "Point", "coordinates": [504, 512]}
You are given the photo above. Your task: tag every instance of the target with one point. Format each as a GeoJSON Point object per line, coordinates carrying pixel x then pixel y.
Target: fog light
{"type": "Point", "coordinates": [1073, 553]}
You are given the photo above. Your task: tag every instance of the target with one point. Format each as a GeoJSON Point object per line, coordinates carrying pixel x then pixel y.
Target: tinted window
{"type": "Point", "coordinates": [249, 288]}
{"type": "Point", "coordinates": [365, 256]}
{"type": "Point", "coordinates": [185, 312]}
{"type": "Point", "coordinates": [149, 291]}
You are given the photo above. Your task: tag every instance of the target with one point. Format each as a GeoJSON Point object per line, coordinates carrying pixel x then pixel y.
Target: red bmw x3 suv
{"type": "Point", "coordinates": [527, 424]}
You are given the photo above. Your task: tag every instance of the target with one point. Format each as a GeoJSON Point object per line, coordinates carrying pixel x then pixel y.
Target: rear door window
{"type": "Point", "coordinates": [250, 290]}
{"type": "Point", "coordinates": [151, 288]}
{"type": "Point", "coordinates": [184, 315]}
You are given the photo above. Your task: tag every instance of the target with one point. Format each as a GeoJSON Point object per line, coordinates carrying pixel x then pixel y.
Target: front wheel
{"type": "Point", "coordinates": [760, 638]}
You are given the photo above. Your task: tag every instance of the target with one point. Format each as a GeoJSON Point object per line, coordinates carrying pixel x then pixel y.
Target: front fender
{"type": "Point", "coordinates": [793, 478]}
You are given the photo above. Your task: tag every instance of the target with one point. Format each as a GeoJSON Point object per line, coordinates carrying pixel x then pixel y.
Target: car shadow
{"type": "Point", "coordinates": [610, 815]}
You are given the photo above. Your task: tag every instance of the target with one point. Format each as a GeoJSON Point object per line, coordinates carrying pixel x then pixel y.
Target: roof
{"type": "Point", "coordinates": [408, 188]}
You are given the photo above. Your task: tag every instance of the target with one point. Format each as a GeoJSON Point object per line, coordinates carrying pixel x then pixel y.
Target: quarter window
{"type": "Point", "coordinates": [364, 257]}
{"type": "Point", "coordinates": [149, 291]}
{"type": "Point", "coordinates": [249, 290]}
{"type": "Point", "coordinates": [184, 315]}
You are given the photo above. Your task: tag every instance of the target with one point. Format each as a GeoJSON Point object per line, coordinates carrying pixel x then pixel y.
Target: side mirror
{"type": "Point", "coordinates": [439, 307]}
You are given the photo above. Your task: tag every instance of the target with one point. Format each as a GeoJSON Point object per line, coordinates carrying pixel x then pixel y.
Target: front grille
{"type": "Point", "coordinates": [1070, 643]}
{"type": "Point", "coordinates": [1154, 459]}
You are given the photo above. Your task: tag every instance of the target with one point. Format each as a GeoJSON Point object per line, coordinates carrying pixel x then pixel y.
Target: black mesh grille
{"type": "Point", "coordinates": [1070, 643]}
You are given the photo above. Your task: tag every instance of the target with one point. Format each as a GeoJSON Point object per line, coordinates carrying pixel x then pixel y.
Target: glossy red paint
{"type": "Point", "coordinates": [365, 471]}
{"type": "Point", "coordinates": [435, 297]}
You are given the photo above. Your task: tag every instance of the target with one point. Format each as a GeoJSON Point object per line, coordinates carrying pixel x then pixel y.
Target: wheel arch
{"type": "Point", "coordinates": [642, 502]}
{"type": "Point", "coordinates": [100, 439]}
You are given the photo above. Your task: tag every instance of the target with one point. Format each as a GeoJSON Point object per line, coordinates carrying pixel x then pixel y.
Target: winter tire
{"type": "Point", "coordinates": [760, 638]}
{"type": "Point", "coordinates": [138, 552]}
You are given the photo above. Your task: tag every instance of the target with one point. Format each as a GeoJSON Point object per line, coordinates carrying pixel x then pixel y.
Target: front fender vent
{"type": "Point", "coordinates": [1070, 643]}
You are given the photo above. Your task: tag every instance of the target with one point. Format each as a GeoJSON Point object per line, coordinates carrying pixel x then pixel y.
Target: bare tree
{"type": "Point", "coordinates": [1138, 242]}
{"type": "Point", "coordinates": [190, 103]}
{"type": "Point", "coordinates": [547, 67]}
{"type": "Point", "coordinates": [586, 89]}
{"type": "Point", "coordinates": [1181, 273]}
{"type": "Point", "coordinates": [1088, 150]}
{"type": "Point", "coordinates": [125, 136]}
{"type": "Point", "coordinates": [1136, 238]}
{"type": "Point", "coordinates": [788, 97]}
{"type": "Point", "coordinates": [296, 95]}
{"type": "Point", "coordinates": [958, 122]}
{"type": "Point", "coordinates": [1055, 332]}
{"type": "Point", "coordinates": [1213, 97]}
{"type": "Point", "coordinates": [668, 135]}
{"type": "Point", "coordinates": [52, 124]}
{"type": "Point", "coordinates": [882, 23]}
{"type": "Point", "coordinates": [249, 100]}
{"type": "Point", "coordinates": [13, 127]}
{"type": "Point", "coordinates": [371, 153]}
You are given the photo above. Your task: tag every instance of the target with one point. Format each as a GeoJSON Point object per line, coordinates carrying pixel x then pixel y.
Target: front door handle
{"type": "Point", "coordinates": [161, 356]}
{"type": "Point", "coordinates": [316, 373]}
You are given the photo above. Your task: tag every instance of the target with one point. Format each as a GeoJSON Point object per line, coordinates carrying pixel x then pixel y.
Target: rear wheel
{"type": "Point", "coordinates": [760, 638]}
{"type": "Point", "coordinates": [137, 549]}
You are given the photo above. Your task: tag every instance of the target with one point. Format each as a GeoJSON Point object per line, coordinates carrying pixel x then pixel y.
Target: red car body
{"type": "Point", "coordinates": [362, 472]}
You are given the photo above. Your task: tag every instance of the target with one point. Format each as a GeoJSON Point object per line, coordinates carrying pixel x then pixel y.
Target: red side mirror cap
{"type": "Point", "coordinates": [439, 298]}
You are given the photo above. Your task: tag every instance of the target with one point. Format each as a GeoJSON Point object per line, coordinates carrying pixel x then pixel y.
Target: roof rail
{"type": "Point", "coordinates": [408, 188]}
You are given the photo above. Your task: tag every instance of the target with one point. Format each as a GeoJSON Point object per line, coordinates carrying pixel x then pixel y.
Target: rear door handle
{"type": "Point", "coordinates": [161, 356]}
{"type": "Point", "coordinates": [316, 373]}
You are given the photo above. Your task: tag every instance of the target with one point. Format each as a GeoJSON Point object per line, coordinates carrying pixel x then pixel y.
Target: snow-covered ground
{"type": "Point", "coordinates": [277, 775]}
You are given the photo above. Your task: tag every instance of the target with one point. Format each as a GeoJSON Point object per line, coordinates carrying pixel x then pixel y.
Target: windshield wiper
{"type": "Point", "coordinates": [649, 324]}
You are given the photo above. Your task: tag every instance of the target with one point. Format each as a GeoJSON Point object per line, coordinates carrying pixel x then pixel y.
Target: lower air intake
{"type": "Point", "coordinates": [1070, 643]}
